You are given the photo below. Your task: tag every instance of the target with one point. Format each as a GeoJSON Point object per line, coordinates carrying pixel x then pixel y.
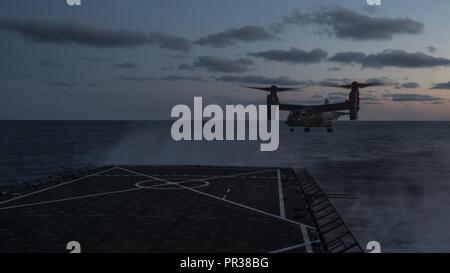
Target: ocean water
{"type": "Point", "coordinates": [399, 171]}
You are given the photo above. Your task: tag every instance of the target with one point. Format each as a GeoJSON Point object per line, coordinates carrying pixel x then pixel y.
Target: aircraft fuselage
{"type": "Point", "coordinates": [319, 119]}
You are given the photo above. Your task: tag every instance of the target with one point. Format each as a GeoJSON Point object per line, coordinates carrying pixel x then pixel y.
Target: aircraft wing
{"type": "Point", "coordinates": [331, 107]}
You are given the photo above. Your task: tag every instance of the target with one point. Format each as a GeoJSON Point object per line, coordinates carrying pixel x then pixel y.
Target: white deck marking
{"type": "Point", "coordinates": [224, 200]}
{"type": "Point", "coordinates": [307, 240]}
{"type": "Point", "coordinates": [292, 247]}
{"type": "Point", "coordinates": [70, 198]}
{"type": "Point", "coordinates": [281, 196]}
{"type": "Point", "coordinates": [228, 191]}
{"type": "Point", "coordinates": [55, 186]}
{"type": "Point", "coordinates": [230, 175]}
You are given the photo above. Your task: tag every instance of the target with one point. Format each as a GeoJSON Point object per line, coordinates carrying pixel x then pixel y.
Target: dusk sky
{"type": "Point", "coordinates": [137, 59]}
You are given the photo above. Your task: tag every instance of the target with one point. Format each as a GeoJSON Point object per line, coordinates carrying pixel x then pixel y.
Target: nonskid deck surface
{"type": "Point", "coordinates": [161, 209]}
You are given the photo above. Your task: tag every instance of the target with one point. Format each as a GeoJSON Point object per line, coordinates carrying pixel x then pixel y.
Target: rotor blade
{"type": "Point", "coordinates": [258, 88]}
{"type": "Point", "coordinates": [281, 89]}
{"type": "Point", "coordinates": [269, 89]}
{"type": "Point", "coordinates": [348, 86]}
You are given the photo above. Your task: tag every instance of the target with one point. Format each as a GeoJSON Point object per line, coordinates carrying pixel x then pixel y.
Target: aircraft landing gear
{"type": "Point", "coordinates": [330, 129]}
{"type": "Point", "coordinates": [307, 130]}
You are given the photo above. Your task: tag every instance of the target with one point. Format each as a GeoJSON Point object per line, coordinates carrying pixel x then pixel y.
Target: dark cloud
{"type": "Point", "coordinates": [186, 67]}
{"type": "Point", "coordinates": [63, 84]}
{"type": "Point", "coordinates": [219, 64]}
{"type": "Point", "coordinates": [163, 78]}
{"type": "Point", "coordinates": [411, 97]}
{"type": "Point", "coordinates": [431, 49]}
{"type": "Point", "coordinates": [168, 41]}
{"type": "Point", "coordinates": [257, 79]}
{"type": "Point", "coordinates": [391, 58]}
{"type": "Point", "coordinates": [347, 24]}
{"type": "Point", "coordinates": [410, 85]}
{"type": "Point", "coordinates": [94, 59]}
{"type": "Point", "coordinates": [126, 65]}
{"type": "Point", "coordinates": [50, 64]}
{"type": "Point", "coordinates": [334, 69]}
{"type": "Point", "coordinates": [294, 55]}
{"type": "Point", "coordinates": [385, 81]}
{"type": "Point", "coordinates": [178, 56]}
{"type": "Point", "coordinates": [230, 36]}
{"type": "Point", "coordinates": [164, 68]}
{"type": "Point", "coordinates": [403, 59]}
{"type": "Point", "coordinates": [136, 79]}
{"type": "Point", "coordinates": [56, 32]}
{"type": "Point", "coordinates": [348, 57]}
{"type": "Point", "coordinates": [94, 84]}
{"type": "Point", "coordinates": [182, 78]}
{"type": "Point", "coordinates": [443, 85]}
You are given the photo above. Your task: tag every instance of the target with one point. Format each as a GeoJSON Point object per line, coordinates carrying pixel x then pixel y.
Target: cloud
{"type": "Point", "coordinates": [381, 81]}
{"type": "Point", "coordinates": [136, 79]}
{"type": "Point", "coordinates": [163, 78]}
{"type": "Point", "coordinates": [411, 97]}
{"type": "Point", "coordinates": [343, 23]}
{"type": "Point", "coordinates": [94, 84]}
{"type": "Point", "coordinates": [335, 81]}
{"type": "Point", "coordinates": [56, 32]}
{"type": "Point", "coordinates": [230, 36]}
{"type": "Point", "coordinates": [164, 68]}
{"type": "Point", "coordinates": [94, 59]}
{"type": "Point", "coordinates": [403, 59]}
{"type": "Point", "coordinates": [50, 64]}
{"type": "Point", "coordinates": [431, 49]}
{"type": "Point", "coordinates": [337, 96]}
{"type": "Point", "coordinates": [443, 85]}
{"type": "Point", "coordinates": [334, 69]}
{"type": "Point", "coordinates": [410, 85]}
{"type": "Point", "coordinates": [257, 79]}
{"type": "Point", "coordinates": [126, 65]}
{"type": "Point", "coordinates": [293, 56]}
{"type": "Point", "coordinates": [369, 98]}
{"type": "Point", "coordinates": [169, 41]}
{"type": "Point", "coordinates": [391, 58]}
{"type": "Point", "coordinates": [186, 67]}
{"type": "Point", "coordinates": [219, 64]}
{"type": "Point", "coordinates": [182, 78]}
{"type": "Point", "coordinates": [348, 57]}
{"type": "Point", "coordinates": [63, 84]}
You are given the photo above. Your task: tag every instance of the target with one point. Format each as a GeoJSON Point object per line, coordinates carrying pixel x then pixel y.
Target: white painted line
{"type": "Point", "coordinates": [281, 196]}
{"type": "Point", "coordinates": [291, 247]}
{"type": "Point", "coordinates": [69, 198]}
{"type": "Point", "coordinates": [55, 186]}
{"type": "Point", "coordinates": [228, 191]}
{"type": "Point", "coordinates": [225, 200]}
{"type": "Point", "coordinates": [307, 240]}
{"type": "Point", "coordinates": [232, 175]}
